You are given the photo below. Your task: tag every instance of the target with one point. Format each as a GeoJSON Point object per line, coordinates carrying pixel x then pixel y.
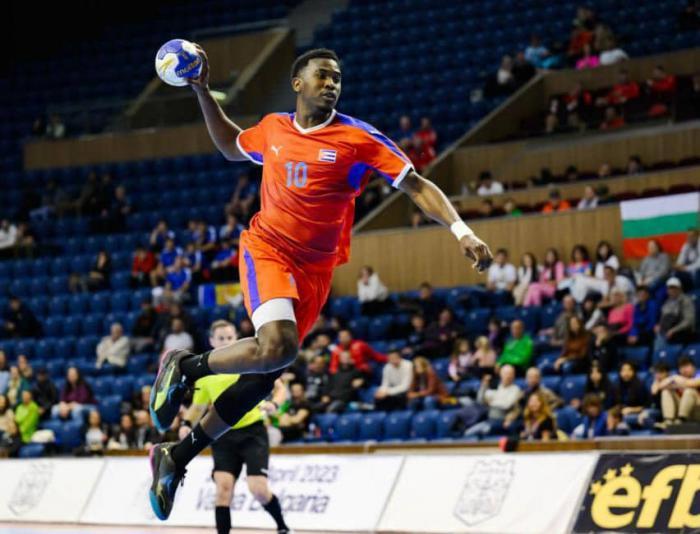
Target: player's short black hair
{"type": "Point", "coordinates": [303, 60]}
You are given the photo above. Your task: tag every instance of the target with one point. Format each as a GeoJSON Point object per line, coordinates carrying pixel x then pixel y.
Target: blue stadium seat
{"type": "Point", "coordinates": [26, 347]}
{"type": "Point", "coordinates": [70, 436]}
{"type": "Point", "coordinates": [91, 325]}
{"type": "Point", "coordinates": [379, 327]}
{"type": "Point", "coordinates": [123, 386]}
{"type": "Point", "coordinates": [32, 450]}
{"type": "Point", "coordinates": [58, 305]}
{"type": "Point", "coordinates": [572, 387]}
{"type": "Point", "coordinates": [440, 365]}
{"type": "Point", "coordinates": [346, 427]}
{"type": "Point", "coordinates": [102, 386]}
{"type": "Point", "coordinates": [397, 425]}
{"type": "Point", "coordinates": [445, 423]}
{"type": "Point", "coordinates": [358, 327]}
{"type": "Point", "coordinates": [45, 348]}
{"type": "Point", "coordinates": [568, 419]}
{"type": "Point", "coordinates": [325, 423]}
{"type": "Point", "coordinates": [53, 326]}
{"type": "Point", "coordinates": [99, 303]}
{"type": "Point", "coordinates": [65, 347]}
{"type": "Point", "coordinates": [121, 280]}
{"type": "Point", "coordinates": [110, 409]}
{"type": "Point", "coordinates": [137, 363]}
{"type": "Point", "coordinates": [78, 304]}
{"type": "Point", "coordinates": [669, 356]}
{"type": "Point", "coordinates": [423, 425]}
{"type": "Point", "coordinates": [639, 356]}
{"type": "Point", "coordinates": [552, 382]}
{"type": "Point", "coordinates": [55, 368]}
{"type": "Point", "coordinates": [693, 352]}
{"type": "Point", "coordinates": [144, 380]}
{"type": "Point", "coordinates": [477, 321]}
{"type": "Point", "coordinates": [85, 347]}
{"type": "Point", "coordinates": [371, 426]}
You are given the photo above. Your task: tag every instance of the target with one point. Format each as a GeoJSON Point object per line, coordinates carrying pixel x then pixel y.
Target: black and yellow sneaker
{"type": "Point", "coordinates": [168, 389]}
{"type": "Point", "coordinates": [166, 478]}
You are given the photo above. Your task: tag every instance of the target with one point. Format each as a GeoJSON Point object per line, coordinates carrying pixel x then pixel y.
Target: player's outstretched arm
{"type": "Point", "coordinates": [433, 202]}
{"type": "Point", "coordinates": [222, 130]}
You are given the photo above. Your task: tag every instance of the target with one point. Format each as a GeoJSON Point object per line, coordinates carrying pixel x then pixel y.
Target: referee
{"type": "Point", "coordinates": [246, 443]}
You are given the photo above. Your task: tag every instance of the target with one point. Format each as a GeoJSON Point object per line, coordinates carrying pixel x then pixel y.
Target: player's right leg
{"type": "Point", "coordinates": [225, 484]}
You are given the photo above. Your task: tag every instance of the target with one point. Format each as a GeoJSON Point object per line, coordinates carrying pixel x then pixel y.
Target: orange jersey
{"type": "Point", "coordinates": [310, 180]}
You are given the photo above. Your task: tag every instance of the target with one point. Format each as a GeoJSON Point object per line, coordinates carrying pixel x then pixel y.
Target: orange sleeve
{"type": "Point", "coordinates": [383, 156]}
{"type": "Point", "coordinates": [252, 142]}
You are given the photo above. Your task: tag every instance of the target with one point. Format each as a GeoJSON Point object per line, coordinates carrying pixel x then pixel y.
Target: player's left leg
{"type": "Point", "coordinates": [260, 489]}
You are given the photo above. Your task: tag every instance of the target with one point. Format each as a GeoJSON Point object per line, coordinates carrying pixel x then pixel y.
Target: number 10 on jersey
{"type": "Point", "coordinates": [296, 173]}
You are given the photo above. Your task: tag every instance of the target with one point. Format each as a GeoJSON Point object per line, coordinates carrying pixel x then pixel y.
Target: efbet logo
{"type": "Point", "coordinates": [620, 500]}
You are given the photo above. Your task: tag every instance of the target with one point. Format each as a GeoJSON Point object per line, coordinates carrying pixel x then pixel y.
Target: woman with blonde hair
{"type": "Point", "coordinates": [426, 383]}
{"type": "Point", "coordinates": [484, 357]}
{"type": "Point", "coordinates": [538, 419]}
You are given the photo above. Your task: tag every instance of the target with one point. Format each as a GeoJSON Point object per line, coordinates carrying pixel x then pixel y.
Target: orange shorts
{"type": "Point", "coordinates": [268, 273]}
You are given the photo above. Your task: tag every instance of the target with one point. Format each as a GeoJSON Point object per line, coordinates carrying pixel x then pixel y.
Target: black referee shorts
{"type": "Point", "coordinates": [249, 445]}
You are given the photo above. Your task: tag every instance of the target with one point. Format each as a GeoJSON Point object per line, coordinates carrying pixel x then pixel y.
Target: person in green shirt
{"type": "Point", "coordinates": [518, 349]}
{"type": "Point", "coordinates": [27, 416]}
{"type": "Point", "coordinates": [511, 209]}
{"type": "Point", "coordinates": [246, 443]}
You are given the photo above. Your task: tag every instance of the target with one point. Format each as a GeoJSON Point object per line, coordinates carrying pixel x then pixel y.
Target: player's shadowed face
{"type": "Point", "coordinates": [318, 84]}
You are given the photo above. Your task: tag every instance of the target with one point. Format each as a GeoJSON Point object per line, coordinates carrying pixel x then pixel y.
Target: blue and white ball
{"type": "Point", "coordinates": [176, 61]}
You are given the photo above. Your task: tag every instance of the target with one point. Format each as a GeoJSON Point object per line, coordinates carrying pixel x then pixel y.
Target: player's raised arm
{"type": "Point", "coordinates": [433, 202]}
{"type": "Point", "coordinates": [222, 130]}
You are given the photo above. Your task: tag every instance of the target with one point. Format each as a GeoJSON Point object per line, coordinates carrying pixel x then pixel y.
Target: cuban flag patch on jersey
{"type": "Point", "coordinates": [326, 154]}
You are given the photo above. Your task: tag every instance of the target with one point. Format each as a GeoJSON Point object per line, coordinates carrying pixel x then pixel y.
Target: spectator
{"type": "Point", "coordinates": [416, 335]}
{"type": "Point", "coordinates": [555, 203]}
{"type": "Point", "coordinates": [194, 261]}
{"type": "Point", "coordinates": [344, 384]}
{"type": "Point", "coordinates": [574, 355]}
{"type": "Point", "coordinates": [533, 385]}
{"type": "Point", "coordinates": [143, 264]}
{"type": "Point", "coordinates": [420, 154]}
{"type": "Point", "coordinates": [589, 59]}
{"type": "Point", "coordinates": [537, 54]}
{"type": "Point", "coordinates": [497, 332]}
{"type": "Point", "coordinates": [680, 400]}
{"type": "Point", "coordinates": [518, 349]}
{"type": "Point", "coordinates": [10, 441]}
{"type": "Point", "coordinates": [425, 384]}
{"type": "Point", "coordinates": [620, 316]}
{"type": "Point", "coordinates": [612, 119]}
{"type": "Point", "coordinates": [502, 403]}
{"type": "Point", "coordinates": [461, 361]}
{"type": "Point", "coordinates": [405, 132]}
{"type": "Point", "coordinates": [244, 197]}
{"type": "Point", "coordinates": [360, 352]}
{"type": "Point", "coordinates": [146, 434]}
{"type": "Point", "coordinates": [224, 266]}
{"type": "Point", "coordinates": [231, 230]}
{"type": "Point", "coordinates": [654, 411]}
{"type": "Point", "coordinates": [662, 88]}
{"type": "Point", "coordinates": [501, 274]}
{"type": "Point", "coordinates": [98, 277]}
{"type": "Point", "coordinates": [488, 186]}
{"type": "Point", "coordinates": [538, 419]}
{"type": "Point", "coordinates": [397, 377]}
{"type": "Point", "coordinates": [177, 283]}
{"type": "Point", "coordinates": [114, 213]}
{"type": "Point", "coordinates": [75, 397]}
{"type": "Point", "coordinates": [631, 394]}
{"type": "Point", "coordinates": [178, 338]}
{"type": "Point", "coordinates": [689, 258]}
{"type": "Point", "coordinates": [677, 322]}
{"type": "Point", "coordinates": [45, 393]}
{"type": "Point", "coordinates": [427, 133]}
{"type": "Point", "coordinates": [124, 436]}
{"type": "Point", "coordinates": [655, 266]}
{"type": "Point", "coordinates": [441, 334]}
{"type": "Point", "coordinates": [486, 209]}
{"type": "Point", "coordinates": [549, 275]}
{"type": "Point", "coordinates": [143, 332]}
{"type": "Point", "coordinates": [624, 91]}
{"type": "Point", "coordinates": [24, 368]}
{"type": "Point", "coordinates": [317, 380]}
{"type": "Point", "coordinates": [590, 199]}
{"type": "Point", "coordinates": [527, 274]}
{"type": "Point", "coordinates": [645, 317]}
{"type": "Point", "coordinates": [581, 34]}
{"type": "Point", "coordinates": [612, 54]}
{"type": "Point", "coordinates": [576, 112]}
{"type": "Point", "coordinates": [511, 209]}
{"type": "Point", "coordinates": [484, 357]}
{"type": "Point", "coordinates": [604, 171]}
{"type": "Point", "coordinates": [295, 421]}
{"type": "Point", "coordinates": [4, 373]}
{"type": "Point", "coordinates": [53, 201]}
{"type": "Point", "coordinates": [114, 348]}
{"type": "Point", "coordinates": [595, 419]}
{"type": "Point", "coordinates": [522, 70]}
{"type": "Point", "coordinates": [604, 349]}
{"type": "Point", "coordinates": [598, 384]}
{"type": "Point", "coordinates": [7, 415]}
{"type": "Point", "coordinates": [502, 82]}
{"type": "Point", "coordinates": [96, 435]}
{"type": "Point", "coordinates": [27, 416]}
{"type": "Point", "coordinates": [159, 235]}
{"type": "Point", "coordinates": [371, 293]}
{"type": "Point", "coordinates": [615, 423]}
{"type": "Point", "coordinates": [561, 324]}
{"type": "Point", "coordinates": [428, 304]}
{"type": "Point", "coordinates": [689, 18]}
{"type": "Point", "coordinates": [583, 285]}
{"type": "Point", "coordinates": [55, 129]}
{"type": "Point", "coordinates": [19, 320]}
{"type": "Point", "coordinates": [16, 386]}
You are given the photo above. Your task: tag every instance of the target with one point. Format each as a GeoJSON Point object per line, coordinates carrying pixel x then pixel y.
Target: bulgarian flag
{"type": "Point", "coordinates": [666, 219]}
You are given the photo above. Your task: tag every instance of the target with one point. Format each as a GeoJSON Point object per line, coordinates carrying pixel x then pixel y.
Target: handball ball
{"type": "Point", "coordinates": [176, 61]}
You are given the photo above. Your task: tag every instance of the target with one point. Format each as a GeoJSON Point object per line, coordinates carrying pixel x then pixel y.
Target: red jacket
{"type": "Point", "coordinates": [665, 85]}
{"type": "Point", "coordinates": [361, 353]}
{"type": "Point", "coordinates": [144, 265]}
{"type": "Point", "coordinates": [620, 91]}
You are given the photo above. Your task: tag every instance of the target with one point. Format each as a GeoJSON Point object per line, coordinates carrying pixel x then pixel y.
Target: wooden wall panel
{"type": "Point", "coordinates": [406, 257]}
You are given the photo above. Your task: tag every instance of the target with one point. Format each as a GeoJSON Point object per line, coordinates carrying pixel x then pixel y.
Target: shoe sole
{"type": "Point", "coordinates": [155, 505]}
{"type": "Point", "coordinates": [152, 398]}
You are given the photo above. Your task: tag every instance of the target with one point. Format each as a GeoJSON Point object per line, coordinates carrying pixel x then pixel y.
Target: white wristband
{"type": "Point", "coordinates": [460, 229]}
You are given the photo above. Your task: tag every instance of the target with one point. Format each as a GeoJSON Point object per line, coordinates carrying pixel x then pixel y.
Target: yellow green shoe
{"type": "Point", "coordinates": [168, 390]}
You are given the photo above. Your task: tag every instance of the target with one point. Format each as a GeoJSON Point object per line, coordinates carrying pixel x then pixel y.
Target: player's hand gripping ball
{"type": "Point", "coordinates": [177, 61]}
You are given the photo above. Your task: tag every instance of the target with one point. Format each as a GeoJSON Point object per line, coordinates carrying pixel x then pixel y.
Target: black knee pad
{"type": "Point", "coordinates": [241, 397]}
